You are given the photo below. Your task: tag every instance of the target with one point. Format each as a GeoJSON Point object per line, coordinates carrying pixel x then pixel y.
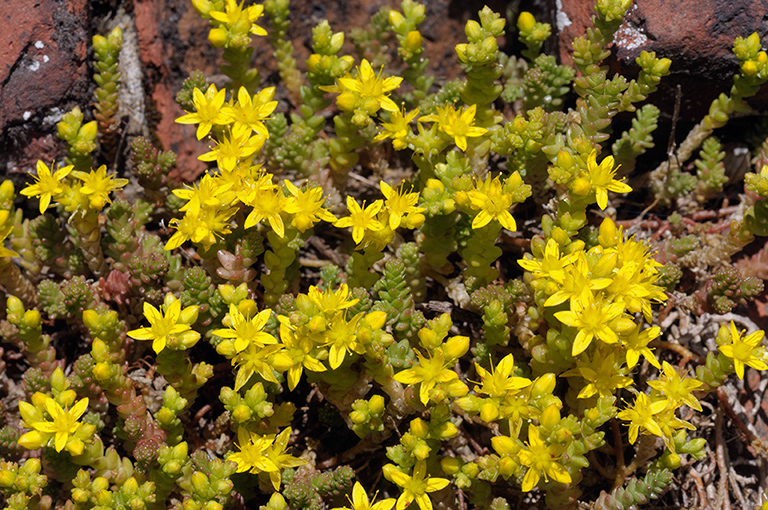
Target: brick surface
{"type": "Point", "coordinates": [696, 36]}
{"type": "Point", "coordinates": [43, 72]}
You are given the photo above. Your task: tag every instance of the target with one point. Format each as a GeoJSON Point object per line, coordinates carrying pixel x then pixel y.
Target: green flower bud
{"type": "Point", "coordinates": [337, 41]}
{"type": "Point", "coordinates": [396, 20]}
{"type": "Point", "coordinates": [473, 30]}
{"type": "Point", "coordinates": [543, 386]}
{"type": "Point", "coordinates": [200, 482]}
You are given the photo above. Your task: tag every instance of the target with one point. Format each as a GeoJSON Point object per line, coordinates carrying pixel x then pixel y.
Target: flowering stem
{"type": "Point", "coordinates": [89, 234]}
{"type": "Point", "coordinates": [278, 261]}
{"type": "Point", "coordinates": [342, 148]}
{"type": "Point", "coordinates": [181, 374]}
{"type": "Point", "coordinates": [278, 13]}
{"type": "Point", "coordinates": [359, 268]}
{"type": "Point", "coordinates": [480, 253]}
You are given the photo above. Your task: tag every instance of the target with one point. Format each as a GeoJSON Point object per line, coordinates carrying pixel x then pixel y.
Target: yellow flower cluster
{"type": "Point", "coordinates": [601, 287]}
{"type": "Point", "coordinates": [502, 395]}
{"type": "Point", "coordinates": [323, 333]}
{"type": "Point", "coordinates": [169, 328]}
{"type": "Point", "coordinates": [490, 199]}
{"type": "Point", "coordinates": [233, 24]}
{"type": "Point", "coordinates": [54, 421]}
{"type": "Point", "coordinates": [595, 295]}
{"type": "Point", "coordinates": [434, 373]}
{"type": "Point", "coordinates": [237, 181]}
{"type": "Point", "coordinates": [264, 454]}
{"type": "Point", "coordinates": [376, 223]}
{"type": "Point", "coordinates": [89, 192]}
{"type": "Point", "coordinates": [449, 125]}
{"type": "Point", "coordinates": [364, 94]}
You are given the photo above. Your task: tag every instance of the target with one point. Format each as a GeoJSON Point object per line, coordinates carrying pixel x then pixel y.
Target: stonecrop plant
{"type": "Point", "coordinates": [385, 291]}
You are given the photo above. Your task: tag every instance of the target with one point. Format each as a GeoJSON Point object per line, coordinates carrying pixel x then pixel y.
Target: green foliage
{"type": "Point", "coordinates": [80, 138]}
{"type": "Point", "coordinates": [467, 315]}
{"type": "Point", "coordinates": [637, 491]}
{"type": "Point", "coordinates": [106, 56]}
{"type": "Point", "coordinates": [710, 169]}
{"type": "Point", "coordinates": [545, 83]}
{"type": "Point", "coordinates": [728, 288]}
{"type": "Point", "coordinates": [152, 166]}
{"type": "Point", "coordinates": [396, 300]}
{"type": "Point", "coordinates": [308, 491]}
{"type": "Point", "coordinates": [278, 12]}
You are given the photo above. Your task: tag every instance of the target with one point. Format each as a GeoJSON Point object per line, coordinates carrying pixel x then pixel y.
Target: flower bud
{"type": "Point", "coordinates": [749, 67]}
{"type": "Point", "coordinates": [450, 465]}
{"type": "Point", "coordinates": [607, 234]}
{"type": "Point", "coordinates": [505, 445]}
{"type": "Point", "coordinates": [550, 417]}
{"type": "Point", "coordinates": [473, 30]}
{"type": "Point", "coordinates": [422, 450]}
{"type": "Point", "coordinates": [396, 20]}
{"type": "Point", "coordinates": [470, 404]}
{"type": "Point", "coordinates": [376, 320]}
{"type": "Point", "coordinates": [592, 415]}
{"type": "Point", "coordinates": [471, 469]}
{"type": "Point", "coordinates": [419, 428]}
{"type": "Point", "coordinates": [15, 306]}
{"type": "Point", "coordinates": [101, 371]}
{"type": "Point", "coordinates": [489, 411]}
{"type": "Point", "coordinates": [58, 381]}
{"type": "Point", "coordinates": [564, 159]}
{"type": "Point", "coordinates": [218, 37]}
{"type": "Point", "coordinates": [543, 386]}
{"type": "Point", "coordinates": [203, 7]}
{"type": "Point", "coordinates": [131, 485]}
{"type": "Point", "coordinates": [671, 460]}
{"type": "Point", "coordinates": [461, 52]}
{"type": "Point", "coordinates": [456, 388]}
{"type": "Point", "coordinates": [563, 435]}
{"type": "Point", "coordinates": [446, 431]}
{"type": "Point", "coordinates": [456, 347]}
{"type": "Point", "coordinates": [662, 66]}
{"type": "Point", "coordinates": [317, 324]}
{"type": "Point", "coordinates": [7, 478]}
{"type": "Point", "coordinates": [199, 482]}
{"type": "Point", "coordinates": [428, 338]}
{"type": "Point", "coordinates": [376, 404]}
{"type": "Point", "coordinates": [242, 413]}
{"type": "Point", "coordinates": [413, 41]}
{"type": "Point", "coordinates": [104, 499]}
{"type": "Point", "coordinates": [358, 417]}
{"type": "Point", "coordinates": [337, 41]}
{"type": "Point", "coordinates": [313, 63]}
{"type": "Point", "coordinates": [6, 191]}
{"type": "Point", "coordinates": [89, 130]}
{"type": "Point", "coordinates": [490, 46]}
{"type": "Point", "coordinates": [346, 101]}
